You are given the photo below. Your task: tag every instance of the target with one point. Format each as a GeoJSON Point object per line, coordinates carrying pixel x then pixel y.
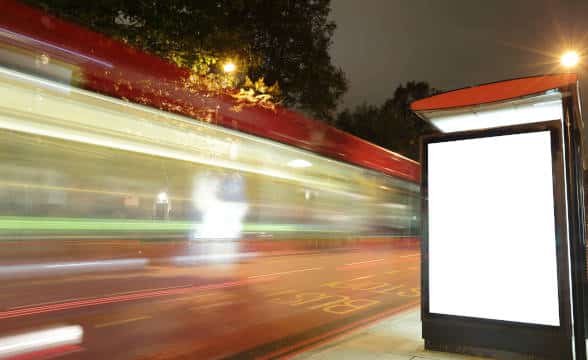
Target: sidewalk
{"type": "Point", "coordinates": [394, 338]}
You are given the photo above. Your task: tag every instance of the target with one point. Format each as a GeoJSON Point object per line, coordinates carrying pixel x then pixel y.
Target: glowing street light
{"type": "Point", "coordinates": [570, 59]}
{"type": "Point", "coordinates": [229, 67]}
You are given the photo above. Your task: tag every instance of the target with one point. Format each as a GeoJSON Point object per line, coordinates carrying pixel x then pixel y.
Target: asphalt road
{"type": "Point", "coordinates": [256, 307]}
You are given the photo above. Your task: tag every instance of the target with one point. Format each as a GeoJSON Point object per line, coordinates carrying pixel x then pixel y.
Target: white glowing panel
{"type": "Point", "coordinates": [545, 108]}
{"type": "Point", "coordinates": [492, 244]}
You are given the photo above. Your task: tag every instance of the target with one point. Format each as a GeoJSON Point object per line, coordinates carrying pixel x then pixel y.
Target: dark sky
{"type": "Point", "coordinates": [452, 43]}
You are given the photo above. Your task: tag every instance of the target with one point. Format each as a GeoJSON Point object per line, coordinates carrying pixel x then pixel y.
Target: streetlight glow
{"type": "Point", "coordinates": [229, 67]}
{"type": "Point", "coordinates": [570, 59]}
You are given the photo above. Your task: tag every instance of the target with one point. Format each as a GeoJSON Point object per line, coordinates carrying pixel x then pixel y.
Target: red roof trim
{"type": "Point", "coordinates": [494, 92]}
{"type": "Point", "coordinates": [115, 69]}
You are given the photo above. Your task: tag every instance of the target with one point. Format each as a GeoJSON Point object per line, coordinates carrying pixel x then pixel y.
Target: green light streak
{"type": "Point", "coordinates": [17, 224]}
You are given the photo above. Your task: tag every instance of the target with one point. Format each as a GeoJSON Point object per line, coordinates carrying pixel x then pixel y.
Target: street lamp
{"type": "Point", "coordinates": [229, 67]}
{"type": "Point", "coordinates": [570, 59]}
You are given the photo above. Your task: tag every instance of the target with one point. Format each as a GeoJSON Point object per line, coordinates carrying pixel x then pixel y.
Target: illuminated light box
{"type": "Point", "coordinates": [537, 108]}
{"type": "Point", "coordinates": [492, 240]}
{"type": "Point", "coordinates": [504, 103]}
{"type": "Point", "coordinates": [495, 265]}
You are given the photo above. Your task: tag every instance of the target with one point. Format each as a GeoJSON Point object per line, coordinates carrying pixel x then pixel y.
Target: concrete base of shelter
{"type": "Point", "coordinates": [394, 338]}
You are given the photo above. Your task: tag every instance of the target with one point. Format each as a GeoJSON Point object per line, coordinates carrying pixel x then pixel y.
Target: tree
{"type": "Point", "coordinates": [364, 121]}
{"type": "Point", "coordinates": [281, 41]}
{"type": "Point", "coordinates": [392, 125]}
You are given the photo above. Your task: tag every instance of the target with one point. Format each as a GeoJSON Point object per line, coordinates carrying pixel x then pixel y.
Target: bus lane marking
{"type": "Point", "coordinates": [340, 306]}
{"type": "Point", "coordinates": [380, 288]}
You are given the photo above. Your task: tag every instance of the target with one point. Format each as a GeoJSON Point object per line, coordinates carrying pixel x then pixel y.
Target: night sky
{"type": "Point", "coordinates": [452, 43]}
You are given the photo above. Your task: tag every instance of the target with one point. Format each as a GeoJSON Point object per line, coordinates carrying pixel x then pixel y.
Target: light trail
{"type": "Point", "coordinates": [87, 298]}
{"type": "Point", "coordinates": [22, 223]}
{"type": "Point", "coordinates": [51, 269]}
{"type": "Point", "coordinates": [121, 298]}
{"type": "Point", "coordinates": [40, 340]}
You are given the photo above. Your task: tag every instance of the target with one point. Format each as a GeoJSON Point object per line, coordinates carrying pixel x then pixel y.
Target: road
{"type": "Point", "coordinates": [257, 307]}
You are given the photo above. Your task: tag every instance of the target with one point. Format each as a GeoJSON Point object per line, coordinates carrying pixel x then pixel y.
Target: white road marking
{"type": "Point", "coordinates": [284, 272]}
{"type": "Point", "coordinates": [364, 262]}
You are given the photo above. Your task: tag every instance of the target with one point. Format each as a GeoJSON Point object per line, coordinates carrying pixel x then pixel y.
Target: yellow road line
{"type": "Point", "coordinates": [120, 322]}
{"type": "Point", "coordinates": [213, 305]}
{"type": "Point", "coordinates": [364, 262]}
{"type": "Point", "coordinates": [362, 277]}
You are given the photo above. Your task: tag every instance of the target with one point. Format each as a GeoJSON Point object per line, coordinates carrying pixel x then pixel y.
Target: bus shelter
{"type": "Point", "coordinates": [503, 241]}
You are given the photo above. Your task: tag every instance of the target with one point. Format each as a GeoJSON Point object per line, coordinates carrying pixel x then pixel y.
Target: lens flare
{"type": "Point", "coordinates": [570, 59]}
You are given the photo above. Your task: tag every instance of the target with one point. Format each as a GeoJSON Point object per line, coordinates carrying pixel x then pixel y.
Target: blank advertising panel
{"type": "Point", "coordinates": [491, 228]}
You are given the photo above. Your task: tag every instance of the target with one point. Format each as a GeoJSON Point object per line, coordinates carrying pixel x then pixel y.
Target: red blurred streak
{"type": "Point", "coordinates": [111, 67]}
{"type": "Point", "coordinates": [292, 350]}
{"type": "Point", "coordinates": [48, 353]}
{"type": "Point", "coordinates": [121, 298]}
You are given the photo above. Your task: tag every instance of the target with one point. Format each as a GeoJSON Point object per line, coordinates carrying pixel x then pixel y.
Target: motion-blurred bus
{"type": "Point", "coordinates": [101, 141]}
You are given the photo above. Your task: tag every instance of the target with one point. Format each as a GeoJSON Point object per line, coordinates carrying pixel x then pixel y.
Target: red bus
{"type": "Point", "coordinates": [101, 139]}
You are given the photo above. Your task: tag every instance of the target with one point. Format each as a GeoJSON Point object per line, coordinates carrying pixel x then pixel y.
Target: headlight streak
{"type": "Point", "coordinates": [51, 269]}
{"type": "Point", "coordinates": [40, 340]}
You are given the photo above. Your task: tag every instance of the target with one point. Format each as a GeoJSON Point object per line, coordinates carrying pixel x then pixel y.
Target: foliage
{"type": "Point", "coordinates": [392, 125]}
{"type": "Point", "coordinates": [282, 41]}
{"type": "Point", "coordinates": [257, 93]}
